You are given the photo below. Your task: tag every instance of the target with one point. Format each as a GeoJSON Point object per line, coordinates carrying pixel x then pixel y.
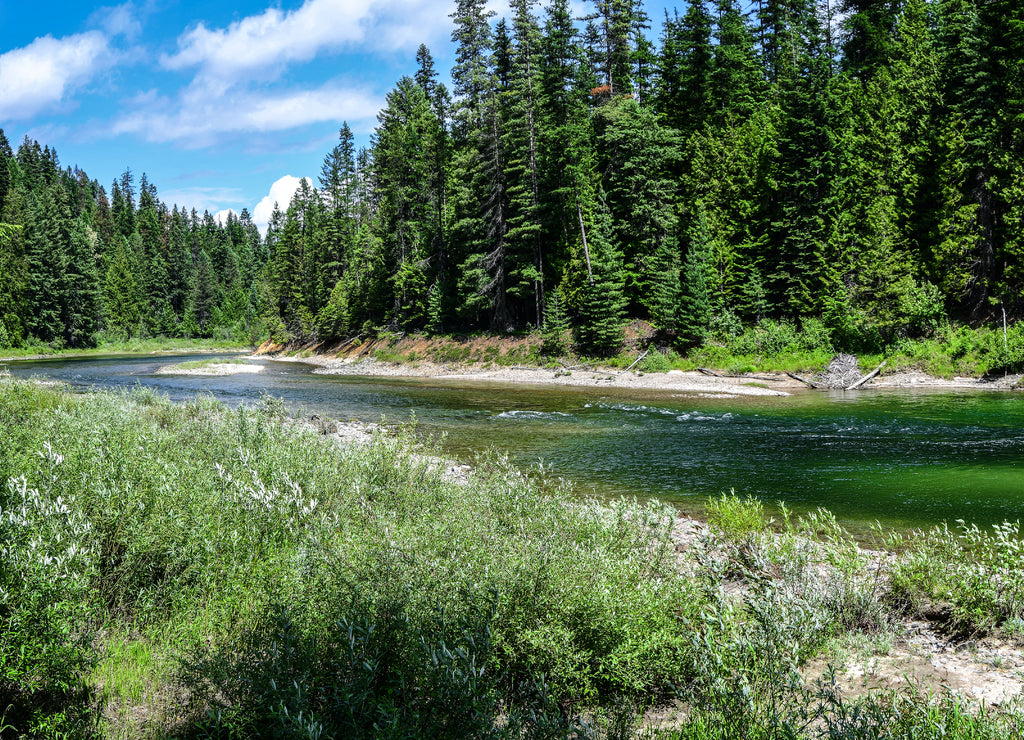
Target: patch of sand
{"type": "Point", "coordinates": [676, 380]}
{"type": "Point", "coordinates": [213, 369]}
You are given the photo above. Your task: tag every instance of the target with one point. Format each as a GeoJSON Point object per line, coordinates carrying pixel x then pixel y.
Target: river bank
{"type": "Point", "coordinates": [199, 536]}
{"type": "Point", "coordinates": [597, 376]}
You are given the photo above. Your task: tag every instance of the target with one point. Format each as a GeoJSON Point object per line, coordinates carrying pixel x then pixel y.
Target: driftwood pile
{"type": "Point", "coordinates": [841, 373]}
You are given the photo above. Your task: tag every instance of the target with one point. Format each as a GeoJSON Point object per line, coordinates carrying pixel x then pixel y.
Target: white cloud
{"type": "Point", "coordinates": [37, 77]}
{"type": "Point", "coordinates": [281, 193]}
{"type": "Point", "coordinates": [270, 38]}
{"type": "Point", "coordinates": [201, 198]}
{"type": "Point", "coordinates": [221, 217]}
{"type": "Point", "coordinates": [268, 42]}
{"type": "Point", "coordinates": [119, 20]}
{"type": "Point", "coordinates": [196, 121]}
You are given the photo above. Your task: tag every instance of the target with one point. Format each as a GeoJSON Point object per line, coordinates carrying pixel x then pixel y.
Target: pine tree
{"type": "Point", "coordinates": [685, 66]}
{"type": "Point", "coordinates": [555, 335]}
{"type": "Point", "coordinates": [736, 78]}
{"type": "Point", "coordinates": [696, 302]}
{"type": "Point", "coordinates": [11, 289]}
{"type": "Point", "coordinates": [600, 305]}
{"type": "Point", "coordinates": [123, 206]}
{"type": "Point", "coordinates": [869, 27]}
{"type": "Point", "coordinates": [6, 164]}
{"type": "Point", "coordinates": [122, 294]}
{"type": "Point", "coordinates": [639, 157]}
{"type": "Point", "coordinates": [485, 273]}
{"type": "Point", "coordinates": [406, 218]}
{"type": "Point", "coordinates": [522, 145]}
{"type": "Point", "coordinates": [796, 54]}
{"type": "Point", "coordinates": [204, 299]}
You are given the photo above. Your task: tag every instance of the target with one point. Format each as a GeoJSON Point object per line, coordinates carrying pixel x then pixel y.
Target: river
{"type": "Point", "coordinates": [905, 458]}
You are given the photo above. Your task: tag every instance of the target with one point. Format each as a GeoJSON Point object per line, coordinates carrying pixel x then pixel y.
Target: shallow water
{"type": "Point", "coordinates": [906, 458]}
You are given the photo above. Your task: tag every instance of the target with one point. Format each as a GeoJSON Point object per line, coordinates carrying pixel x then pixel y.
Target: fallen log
{"type": "Point", "coordinates": [794, 376]}
{"type": "Point", "coordinates": [867, 377]}
{"type": "Point", "coordinates": [637, 360]}
{"type": "Point", "coordinates": [741, 376]}
{"type": "Point", "coordinates": [576, 367]}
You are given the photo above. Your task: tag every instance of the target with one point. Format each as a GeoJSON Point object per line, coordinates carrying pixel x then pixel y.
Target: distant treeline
{"type": "Point", "coordinates": [860, 163]}
{"type": "Point", "coordinates": [78, 266]}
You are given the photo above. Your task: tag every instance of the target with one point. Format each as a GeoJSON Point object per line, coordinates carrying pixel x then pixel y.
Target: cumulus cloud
{"type": "Point", "coordinates": [40, 76]}
{"type": "Point", "coordinates": [271, 40]}
{"type": "Point", "coordinates": [272, 37]}
{"type": "Point", "coordinates": [196, 121]}
{"type": "Point", "coordinates": [221, 217]}
{"type": "Point", "coordinates": [280, 194]}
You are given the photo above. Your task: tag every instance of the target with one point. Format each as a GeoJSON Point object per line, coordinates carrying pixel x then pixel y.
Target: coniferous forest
{"type": "Point", "coordinates": [856, 163]}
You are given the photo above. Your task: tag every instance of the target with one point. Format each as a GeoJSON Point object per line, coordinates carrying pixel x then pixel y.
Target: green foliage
{"type": "Point", "coordinates": [245, 533]}
{"type": "Point", "coordinates": [655, 362]}
{"type": "Point", "coordinates": [276, 584]}
{"type": "Point", "coordinates": [47, 568]}
{"type": "Point", "coordinates": [973, 570]}
{"type": "Point", "coordinates": [738, 519]}
{"type": "Point", "coordinates": [555, 335]}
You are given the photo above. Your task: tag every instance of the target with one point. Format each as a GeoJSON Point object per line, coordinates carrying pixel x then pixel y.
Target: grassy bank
{"type": "Point", "coordinates": [126, 346]}
{"type": "Point", "coordinates": [186, 570]}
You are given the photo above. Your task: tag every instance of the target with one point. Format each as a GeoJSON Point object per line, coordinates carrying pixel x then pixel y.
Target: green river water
{"type": "Point", "coordinates": [905, 458]}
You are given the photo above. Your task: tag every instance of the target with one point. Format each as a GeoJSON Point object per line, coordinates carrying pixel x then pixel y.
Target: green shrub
{"type": "Point", "coordinates": [655, 362]}
{"type": "Point", "coordinates": [46, 566]}
{"type": "Point", "coordinates": [975, 571]}
{"type": "Point", "coordinates": [223, 527]}
{"type": "Point", "coordinates": [737, 518]}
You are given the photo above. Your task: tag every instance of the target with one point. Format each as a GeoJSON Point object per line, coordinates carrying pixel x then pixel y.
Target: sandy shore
{"type": "Point", "coordinates": [759, 384]}
{"type": "Point", "coordinates": [213, 369]}
{"type": "Point", "coordinates": [685, 382]}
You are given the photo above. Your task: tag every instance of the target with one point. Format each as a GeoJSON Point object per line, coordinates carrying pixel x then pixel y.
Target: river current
{"type": "Point", "coordinates": [905, 458]}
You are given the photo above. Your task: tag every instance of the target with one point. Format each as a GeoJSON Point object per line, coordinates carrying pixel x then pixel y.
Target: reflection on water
{"type": "Point", "coordinates": [905, 458]}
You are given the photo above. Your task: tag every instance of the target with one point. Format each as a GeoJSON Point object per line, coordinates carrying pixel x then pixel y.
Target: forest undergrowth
{"type": "Point", "coordinates": [190, 570]}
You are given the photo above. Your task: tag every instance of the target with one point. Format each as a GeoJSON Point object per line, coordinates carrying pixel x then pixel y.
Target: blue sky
{"type": "Point", "coordinates": [223, 106]}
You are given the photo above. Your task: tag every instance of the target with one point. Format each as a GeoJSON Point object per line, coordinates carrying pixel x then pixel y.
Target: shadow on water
{"type": "Point", "coordinates": [905, 458]}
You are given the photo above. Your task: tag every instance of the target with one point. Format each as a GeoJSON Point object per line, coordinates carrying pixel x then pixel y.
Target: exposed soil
{"type": "Point", "coordinates": [508, 360]}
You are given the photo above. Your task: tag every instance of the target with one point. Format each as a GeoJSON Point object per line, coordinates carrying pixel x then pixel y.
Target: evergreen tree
{"type": "Point", "coordinates": [204, 299]}
{"type": "Point", "coordinates": [685, 69]}
{"type": "Point", "coordinates": [406, 218]}
{"type": "Point", "coordinates": [122, 293]}
{"type": "Point", "coordinates": [639, 157]}
{"type": "Point", "coordinates": [600, 305]}
{"type": "Point", "coordinates": [522, 144]}
{"type": "Point", "coordinates": [868, 27]}
{"type": "Point", "coordinates": [6, 164]}
{"type": "Point", "coordinates": [696, 301]}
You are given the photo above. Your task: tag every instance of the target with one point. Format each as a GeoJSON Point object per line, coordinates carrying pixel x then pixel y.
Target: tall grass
{"type": "Point", "coordinates": [188, 570]}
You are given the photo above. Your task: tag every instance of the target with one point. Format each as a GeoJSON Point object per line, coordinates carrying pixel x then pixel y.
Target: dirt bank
{"type": "Point", "coordinates": [691, 382]}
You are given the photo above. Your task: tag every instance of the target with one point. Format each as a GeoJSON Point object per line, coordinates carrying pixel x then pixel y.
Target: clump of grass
{"type": "Point", "coordinates": [739, 519]}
